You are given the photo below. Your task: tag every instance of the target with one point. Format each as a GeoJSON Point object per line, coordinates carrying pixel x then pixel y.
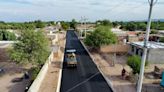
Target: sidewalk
{"type": "Point", "coordinates": [50, 82]}
{"type": "Point", "coordinates": [113, 74]}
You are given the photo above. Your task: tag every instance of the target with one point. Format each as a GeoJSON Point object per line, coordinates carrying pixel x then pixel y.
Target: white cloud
{"type": "Point", "coordinates": [21, 10]}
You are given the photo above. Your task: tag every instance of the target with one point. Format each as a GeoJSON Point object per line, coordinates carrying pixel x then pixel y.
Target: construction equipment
{"type": "Point", "coordinates": [71, 58]}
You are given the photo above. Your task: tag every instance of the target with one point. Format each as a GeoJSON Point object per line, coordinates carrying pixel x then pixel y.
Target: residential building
{"type": "Point", "coordinates": [82, 28]}
{"type": "Point", "coordinates": [121, 35]}
{"type": "Point", "coordinates": [155, 51]}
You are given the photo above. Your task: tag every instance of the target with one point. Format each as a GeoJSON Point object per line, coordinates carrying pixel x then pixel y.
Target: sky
{"type": "Point", "coordinates": [92, 10]}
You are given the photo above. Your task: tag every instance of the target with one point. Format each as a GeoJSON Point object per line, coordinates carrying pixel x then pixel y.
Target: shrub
{"type": "Point", "coordinates": [35, 71]}
{"type": "Point", "coordinates": [135, 63]}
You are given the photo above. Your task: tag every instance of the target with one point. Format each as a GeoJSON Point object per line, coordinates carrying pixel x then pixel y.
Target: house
{"type": "Point", "coordinates": [121, 35]}
{"type": "Point", "coordinates": [161, 32]}
{"type": "Point", "coordinates": [81, 28]}
{"type": "Point", "coordinates": [51, 29]}
{"type": "Point", "coordinates": [85, 27]}
{"type": "Point", "coordinates": [125, 36]}
{"type": "Point", "coordinates": [155, 51]}
{"type": "Point", "coordinates": [53, 38]}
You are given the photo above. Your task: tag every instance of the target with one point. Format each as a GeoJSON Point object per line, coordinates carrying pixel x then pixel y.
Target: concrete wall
{"type": "Point", "coordinates": [133, 38]}
{"type": "Point", "coordinates": [5, 44]}
{"type": "Point", "coordinates": [114, 48]}
{"type": "Point", "coordinates": [152, 88]}
{"type": "Point", "coordinates": [156, 56]}
{"type": "Point", "coordinates": [37, 82]}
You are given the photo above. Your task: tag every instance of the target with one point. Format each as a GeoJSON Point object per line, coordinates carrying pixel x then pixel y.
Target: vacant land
{"type": "Point", "coordinates": [10, 72]}
{"type": "Point", "coordinates": [105, 64]}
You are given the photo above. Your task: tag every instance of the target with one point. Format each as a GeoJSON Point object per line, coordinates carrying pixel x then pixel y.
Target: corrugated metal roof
{"type": "Point", "coordinates": [154, 45]}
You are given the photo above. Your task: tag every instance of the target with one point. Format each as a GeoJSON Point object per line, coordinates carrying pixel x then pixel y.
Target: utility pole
{"type": "Point", "coordinates": [85, 25]}
{"type": "Point", "coordinates": [81, 26]}
{"type": "Point", "coordinates": [139, 85]}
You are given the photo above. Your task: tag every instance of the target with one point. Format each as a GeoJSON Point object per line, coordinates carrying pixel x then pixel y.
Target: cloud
{"type": "Point", "coordinates": [20, 10]}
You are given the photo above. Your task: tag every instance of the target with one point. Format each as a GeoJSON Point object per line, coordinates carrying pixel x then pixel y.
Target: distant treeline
{"type": "Point", "coordinates": [25, 25]}
{"type": "Point", "coordinates": [132, 26]}
{"type": "Point", "coordinates": [129, 26]}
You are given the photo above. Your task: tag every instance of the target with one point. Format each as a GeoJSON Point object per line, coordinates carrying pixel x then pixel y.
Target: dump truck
{"type": "Point", "coordinates": [71, 58]}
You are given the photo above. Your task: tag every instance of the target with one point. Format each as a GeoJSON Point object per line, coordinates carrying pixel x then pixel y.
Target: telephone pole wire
{"type": "Point", "coordinates": [145, 48]}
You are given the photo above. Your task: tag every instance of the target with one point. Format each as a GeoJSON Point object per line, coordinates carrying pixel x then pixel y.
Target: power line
{"type": "Point", "coordinates": [117, 6]}
{"type": "Point", "coordinates": [130, 9]}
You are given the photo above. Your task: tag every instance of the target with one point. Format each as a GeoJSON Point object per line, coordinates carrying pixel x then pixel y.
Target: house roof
{"type": "Point", "coordinates": [119, 32]}
{"type": "Point", "coordinates": [154, 45]}
{"type": "Point", "coordinates": [131, 32]}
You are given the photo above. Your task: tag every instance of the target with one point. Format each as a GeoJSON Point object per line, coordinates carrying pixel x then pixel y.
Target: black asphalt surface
{"type": "Point", "coordinates": [86, 77]}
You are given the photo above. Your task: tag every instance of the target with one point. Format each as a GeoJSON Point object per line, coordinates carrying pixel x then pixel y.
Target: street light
{"type": "Point", "coordinates": [139, 86]}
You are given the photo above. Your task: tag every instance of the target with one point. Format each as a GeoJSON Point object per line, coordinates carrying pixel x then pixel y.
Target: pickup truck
{"type": "Point", "coordinates": [71, 58]}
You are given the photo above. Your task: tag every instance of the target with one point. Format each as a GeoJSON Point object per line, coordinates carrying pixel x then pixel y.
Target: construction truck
{"type": "Point", "coordinates": [71, 58]}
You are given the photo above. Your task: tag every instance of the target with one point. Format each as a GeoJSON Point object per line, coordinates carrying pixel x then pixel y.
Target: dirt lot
{"type": "Point", "coordinates": [104, 62]}
{"type": "Point", "coordinates": [10, 72]}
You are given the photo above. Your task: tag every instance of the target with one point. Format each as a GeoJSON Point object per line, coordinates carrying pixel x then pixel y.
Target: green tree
{"type": "Point", "coordinates": [101, 36]}
{"type": "Point", "coordinates": [115, 24]}
{"type": "Point", "coordinates": [131, 26]}
{"type": "Point", "coordinates": [104, 23]}
{"type": "Point", "coordinates": [162, 39]}
{"type": "Point", "coordinates": [73, 23]}
{"type": "Point", "coordinates": [39, 24]}
{"type": "Point", "coordinates": [153, 31]}
{"type": "Point", "coordinates": [1, 35]}
{"type": "Point", "coordinates": [32, 47]}
{"type": "Point", "coordinates": [141, 26]}
{"type": "Point", "coordinates": [6, 35]}
{"type": "Point", "coordinates": [135, 63]}
{"type": "Point", "coordinates": [65, 25]}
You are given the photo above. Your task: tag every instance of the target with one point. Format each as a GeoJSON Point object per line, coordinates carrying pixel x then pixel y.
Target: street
{"type": "Point", "coordinates": [86, 77]}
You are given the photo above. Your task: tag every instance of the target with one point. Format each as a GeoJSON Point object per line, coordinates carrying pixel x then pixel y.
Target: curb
{"type": "Point", "coordinates": [60, 71]}
{"type": "Point", "coordinates": [107, 80]}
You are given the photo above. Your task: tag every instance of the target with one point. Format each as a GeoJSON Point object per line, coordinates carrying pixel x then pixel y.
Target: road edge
{"type": "Point", "coordinates": [61, 66]}
{"type": "Point", "coordinates": [107, 80]}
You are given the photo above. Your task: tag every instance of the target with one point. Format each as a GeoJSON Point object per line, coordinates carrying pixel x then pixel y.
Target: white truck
{"type": "Point", "coordinates": [71, 58]}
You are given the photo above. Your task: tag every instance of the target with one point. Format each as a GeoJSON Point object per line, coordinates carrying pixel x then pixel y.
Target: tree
{"type": "Point", "coordinates": [135, 63]}
{"type": "Point", "coordinates": [51, 23]}
{"type": "Point", "coordinates": [73, 23]}
{"type": "Point", "coordinates": [65, 25]}
{"type": "Point", "coordinates": [162, 39]}
{"type": "Point", "coordinates": [104, 23]}
{"type": "Point", "coordinates": [115, 24]}
{"type": "Point", "coordinates": [153, 31]}
{"type": "Point", "coordinates": [101, 36]}
{"type": "Point", "coordinates": [131, 26]}
{"type": "Point", "coordinates": [32, 47]}
{"type": "Point", "coordinates": [141, 26]}
{"type": "Point", "coordinates": [6, 35]}
{"type": "Point", "coordinates": [39, 24]}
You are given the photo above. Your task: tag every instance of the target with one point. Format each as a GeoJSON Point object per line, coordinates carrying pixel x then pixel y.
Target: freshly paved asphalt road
{"type": "Point", "coordinates": [86, 77]}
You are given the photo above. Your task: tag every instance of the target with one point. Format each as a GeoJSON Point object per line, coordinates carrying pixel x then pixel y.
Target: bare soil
{"type": "Point", "coordinates": [11, 71]}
